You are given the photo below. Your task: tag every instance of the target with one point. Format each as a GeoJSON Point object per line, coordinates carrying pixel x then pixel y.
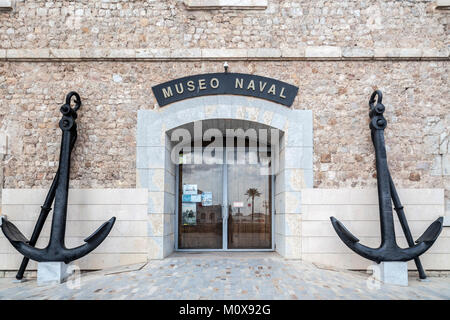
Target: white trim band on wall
{"type": "Point", "coordinates": [5, 5]}
{"type": "Point", "coordinates": [226, 4]}
{"type": "Point", "coordinates": [300, 53]}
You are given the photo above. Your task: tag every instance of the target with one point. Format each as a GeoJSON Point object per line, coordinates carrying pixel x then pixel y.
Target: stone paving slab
{"type": "Point", "coordinates": [231, 276]}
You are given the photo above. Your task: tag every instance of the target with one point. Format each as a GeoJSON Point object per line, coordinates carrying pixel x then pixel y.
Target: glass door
{"type": "Point", "coordinates": [225, 206]}
{"type": "Point", "coordinates": [200, 202]}
{"type": "Point", "coordinates": [249, 202]}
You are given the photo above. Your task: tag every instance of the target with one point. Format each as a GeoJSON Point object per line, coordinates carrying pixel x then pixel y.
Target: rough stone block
{"type": "Point", "coordinates": [296, 179]}
{"type": "Point", "coordinates": [443, 143]}
{"type": "Point", "coordinates": [297, 158]}
{"type": "Point", "coordinates": [288, 202]}
{"type": "Point", "coordinates": [152, 179]}
{"type": "Point", "coordinates": [435, 52]}
{"type": "Point", "coordinates": [27, 53]}
{"type": "Point", "coordinates": [224, 53]}
{"type": "Point", "coordinates": [398, 52]}
{"type": "Point", "coordinates": [323, 52]}
{"type": "Point", "coordinates": [446, 221]}
{"type": "Point", "coordinates": [122, 53]}
{"type": "Point", "coordinates": [95, 53]}
{"type": "Point", "coordinates": [293, 247]}
{"type": "Point", "coordinates": [186, 53]}
{"type": "Point", "coordinates": [52, 273]}
{"type": "Point", "coordinates": [5, 5]}
{"type": "Point", "coordinates": [357, 52]}
{"type": "Point", "coordinates": [169, 224]}
{"type": "Point", "coordinates": [300, 130]}
{"type": "Point", "coordinates": [264, 53]}
{"type": "Point", "coordinates": [280, 244]}
{"type": "Point", "coordinates": [150, 157]}
{"type": "Point", "coordinates": [446, 165]}
{"type": "Point", "coordinates": [155, 247]}
{"type": "Point", "coordinates": [292, 224]}
{"type": "Point", "coordinates": [155, 225]}
{"type": "Point", "coordinates": [168, 244]}
{"type": "Point", "coordinates": [293, 52]}
{"type": "Point", "coordinates": [3, 144]}
{"type": "Point", "coordinates": [443, 3]}
{"type": "Point", "coordinates": [65, 53]}
{"type": "Point", "coordinates": [436, 167]}
{"type": "Point", "coordinates": [393, 272]}
{"type": "Point", "coordinates": [161, 202]}
{"type": "Point", "coordinates": [214, 4]}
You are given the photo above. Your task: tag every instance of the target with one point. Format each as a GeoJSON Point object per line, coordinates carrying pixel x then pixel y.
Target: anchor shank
{"type": "Point", "coordinates": [58, 228]}
{"type": "Point", "coordinates": [384, 194]}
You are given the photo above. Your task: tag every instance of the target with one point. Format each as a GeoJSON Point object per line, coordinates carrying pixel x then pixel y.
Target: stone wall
{"type": "Point", "coordinates": [287, 40]}
{"type": "Point", "coordinates": [284, 24]}
{"type": "Point", "coordinates": [337, 93]}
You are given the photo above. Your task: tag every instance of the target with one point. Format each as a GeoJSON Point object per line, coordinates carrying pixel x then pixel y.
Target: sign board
{"type": "Point", "coordinates": [191, 198]}
{"type": "Point", "coordinates": [225, 83]}
{"type": "Point", "coordinates": [238, 204]}
{"type": "Point", "coordinates": [189, 214]}
{"type": "Point", "coordinates": [207, 199]}
{"type": "Point", "coordinates": [189, 189]}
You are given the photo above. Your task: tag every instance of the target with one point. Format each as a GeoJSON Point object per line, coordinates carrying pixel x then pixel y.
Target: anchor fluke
{"type": "Point", "coordinates": [342, 231]}
{"type": "Point", "coordinates": [12, 233]}
{"type": "Point", "coordinates": [389, 250]}
{"type": "Point", "coordinates": [104, 228]}
{"type": "Point", "coordinates": [433, 231]}
{"type": "Point", "coordinates": [54, 252]}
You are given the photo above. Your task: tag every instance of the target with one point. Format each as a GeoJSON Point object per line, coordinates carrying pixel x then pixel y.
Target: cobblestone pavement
{"type": "Point", "coordinates": [226, 276]}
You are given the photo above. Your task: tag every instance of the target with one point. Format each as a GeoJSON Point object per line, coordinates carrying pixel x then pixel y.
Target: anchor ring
{"type": "Point", "coordinates": [379, 95]}
{"type": "Point", "coordinates": [379, 108]}
{"type": "Point", "coordinates": [77, 100]}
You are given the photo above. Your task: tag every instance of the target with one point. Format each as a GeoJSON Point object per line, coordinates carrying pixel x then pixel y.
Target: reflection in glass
{"type": "Point", "coordinates": [248, 198]}
{"type": "Point", "coordinates": [200, 206]}
{"type": "Point", "coordinates": [249, 206]}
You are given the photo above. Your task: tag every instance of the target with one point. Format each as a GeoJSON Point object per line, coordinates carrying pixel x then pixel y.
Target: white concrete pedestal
{"type": "Point", "coordinates": [393, 272]}
{"type": "Point", "coordinates": [52, 273]}
{"type": "Point", "coordinates": [19, 281]}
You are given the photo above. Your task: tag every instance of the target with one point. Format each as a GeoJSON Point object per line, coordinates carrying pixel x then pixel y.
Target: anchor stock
{"type": "Point", "coordinates": [56, 250]}
{"type": "Point", "coordinates": [388, 249]}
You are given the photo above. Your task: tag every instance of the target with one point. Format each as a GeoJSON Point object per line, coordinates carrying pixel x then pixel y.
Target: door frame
{"type": "Point", "coordinates": [224, 213]}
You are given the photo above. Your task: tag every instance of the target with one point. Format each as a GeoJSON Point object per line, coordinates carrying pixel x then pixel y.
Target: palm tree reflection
{"type": "Point", "coordinates": [252, 193]}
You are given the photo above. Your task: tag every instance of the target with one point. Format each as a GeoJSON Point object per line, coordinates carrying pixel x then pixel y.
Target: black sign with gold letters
{"type": "Point", "coordinates": [225, 83]}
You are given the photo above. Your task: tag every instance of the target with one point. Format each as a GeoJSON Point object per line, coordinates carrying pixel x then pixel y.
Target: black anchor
{"type": "Point", "coordinates": [59, 191]}
{"type": "Point", "coordinates": [388, 249]}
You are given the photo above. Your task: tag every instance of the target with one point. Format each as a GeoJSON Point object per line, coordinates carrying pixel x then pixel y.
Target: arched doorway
{"type": "Point", "coordinates": [157, 171]}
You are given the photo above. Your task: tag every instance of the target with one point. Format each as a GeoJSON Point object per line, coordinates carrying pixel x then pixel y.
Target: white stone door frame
{"type": "Point", "coordinates": [156, 172]}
